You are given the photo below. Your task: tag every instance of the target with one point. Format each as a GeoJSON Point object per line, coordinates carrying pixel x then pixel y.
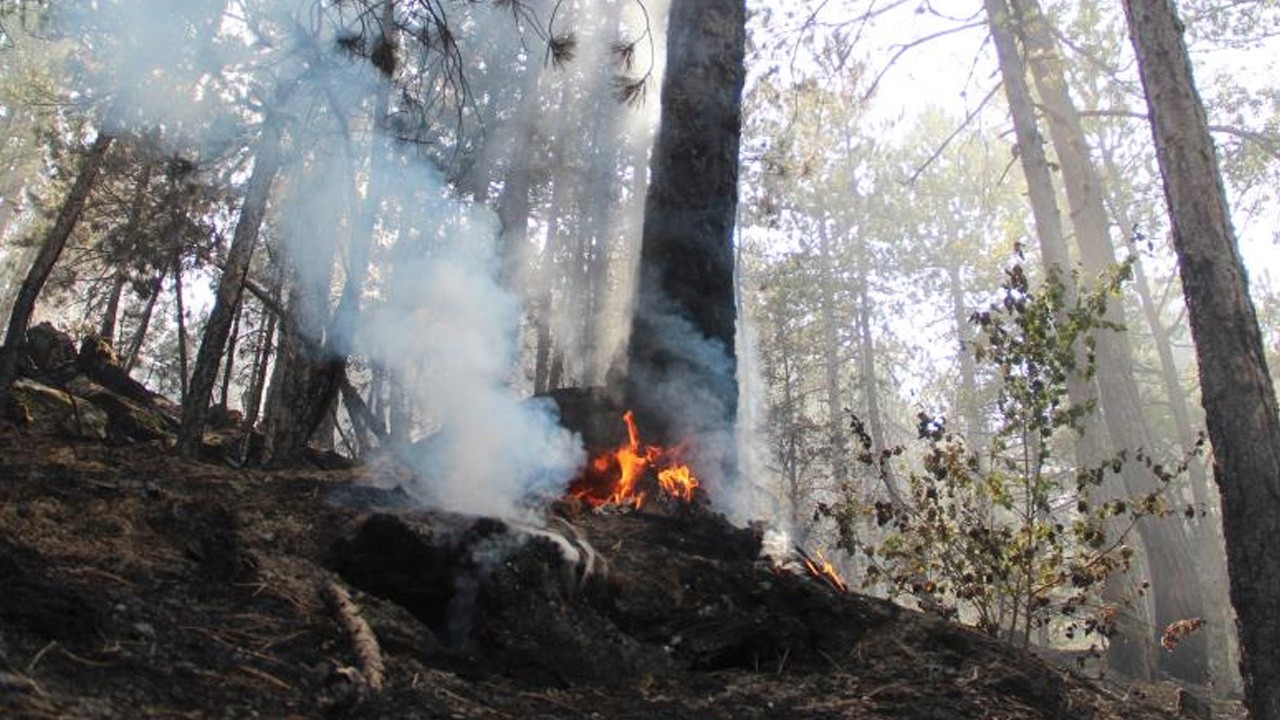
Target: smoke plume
{"type": "Point", "coordinates": [205, 76]}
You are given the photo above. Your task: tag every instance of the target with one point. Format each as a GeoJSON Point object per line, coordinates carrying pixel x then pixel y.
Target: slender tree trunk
{"type": "Point", "coordinates": [258, 382]}
{"type": "Point", "coordinates": [50, 250]}
{"type": "Point", "coordinates": [1131, 652]}
{"type": "Point", "coordinates": [195, 406]}
{"type": "Point", "coordinates": [144, 320]}
{"type": "Point", "coordinates": [180, 315]}
{"type": "Point", "coordinates": [967, 400]}
{"type": "Point", "coordinates": [1177, 595]}
{"type": "Point", "coordinates": [399, 412]}
{"type": "Point", "coordinates": [871, 384]}
{"type": "Point", "coordinates": [107, 330]}
{"type": "Point", "coordinates": [1236, 387]}
{"type": "Point", "coordinates": [681, 377]}
{"type": "Point", "coordinates": [837, 420]}
{"type": "Point", "coordinates": [230, 364]}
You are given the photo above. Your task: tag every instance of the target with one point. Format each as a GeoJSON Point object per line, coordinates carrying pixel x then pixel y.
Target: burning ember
{"type": "Point", "coordinates": [625, 476]}
{"type": "Point", "coordinates": [822, 569]}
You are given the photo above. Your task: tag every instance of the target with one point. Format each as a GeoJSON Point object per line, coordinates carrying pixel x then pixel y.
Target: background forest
{"type": "Point", "coordinates": [353, 223]}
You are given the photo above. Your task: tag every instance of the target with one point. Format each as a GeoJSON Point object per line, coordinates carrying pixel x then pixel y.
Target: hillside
{"type": "Point", "coordinates": [139, 586]}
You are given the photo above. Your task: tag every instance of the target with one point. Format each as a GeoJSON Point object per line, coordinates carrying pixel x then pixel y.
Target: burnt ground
{"type": "Point", "coordinates": [134, 585]}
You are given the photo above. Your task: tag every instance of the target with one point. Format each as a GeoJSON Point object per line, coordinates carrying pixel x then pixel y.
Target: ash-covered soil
{"type": "Point", "coordinates": [134, 585]}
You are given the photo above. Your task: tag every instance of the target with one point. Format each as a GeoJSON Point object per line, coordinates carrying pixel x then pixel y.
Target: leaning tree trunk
{"type": "Point", "coordinates": [195, 406]}
{"type": "Point", "coordinates": [1236, 388]}
{"type": "Point", "coordinates": [1130, 651]}
{"type": "Point", "coordinates": [54, 242]}
{"type": "Point", "coordinates": [1174, 585]}
{"type": "Point", "coordinates": [681, 371]}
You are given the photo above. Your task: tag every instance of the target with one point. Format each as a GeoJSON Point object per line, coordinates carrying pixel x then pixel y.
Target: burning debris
{"type": "Point", "coordinates": [821, 568]}
{"type": "Point", "coordinates": [625, 476]}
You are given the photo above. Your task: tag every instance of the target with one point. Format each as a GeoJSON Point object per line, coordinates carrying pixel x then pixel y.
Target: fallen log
{"type": "Point", "coordinates": [363, 642]}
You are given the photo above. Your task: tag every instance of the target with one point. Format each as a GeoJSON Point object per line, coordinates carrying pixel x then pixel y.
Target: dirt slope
{"type": "Point", "coordinates": [133, 585]}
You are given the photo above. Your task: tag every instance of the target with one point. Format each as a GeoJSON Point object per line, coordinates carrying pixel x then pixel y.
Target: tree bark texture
{"type": "Point", "coordinates": [1236, 388]}
{"type": "Point", "coordinates": [50, 250]}
{"type": "Point", "coordinates": [204, 375]}
{"type": "Point", "coordinates": [681, 371]}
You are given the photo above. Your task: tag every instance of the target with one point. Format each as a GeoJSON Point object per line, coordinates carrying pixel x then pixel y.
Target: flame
{"type": "Point", "coordinates": [822, 569]}
{"type": "Point", "coordinates": [615, 477]}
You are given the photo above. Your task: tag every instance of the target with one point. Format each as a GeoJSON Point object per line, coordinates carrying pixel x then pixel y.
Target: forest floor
{"type": "Point", "coordinates": [136, 585]}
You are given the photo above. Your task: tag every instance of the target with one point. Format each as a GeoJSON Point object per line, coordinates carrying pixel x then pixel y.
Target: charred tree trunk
{"type": "Point", "coordinates": [195, 406]}
{"type": "Point", "coordinates": [681, 372]}
{"type": "Point", "coordinates": [50, 250]}
{"type": "Point", "coordinates": [1236, 387]}
{"type": "Point", "coordinates": [1131, 652]}
{"type": "Point", "coordinates": [1177, 596]}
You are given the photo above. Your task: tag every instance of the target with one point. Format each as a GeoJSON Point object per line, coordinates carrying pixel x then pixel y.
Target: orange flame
{"type": "Point", "coordinates": [615, 477]}
{"type": "Point", "coordinates": [823, 570]}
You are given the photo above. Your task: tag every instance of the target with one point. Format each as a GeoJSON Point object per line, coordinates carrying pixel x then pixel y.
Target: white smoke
{"type": "Point", "coordinates": [202, 74]}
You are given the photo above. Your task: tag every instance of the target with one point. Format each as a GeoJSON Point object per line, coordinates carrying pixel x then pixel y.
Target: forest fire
{"type": "Point", "coordinates": [626, 475]}
{"type": "Point", "coordinates": [822, 569]}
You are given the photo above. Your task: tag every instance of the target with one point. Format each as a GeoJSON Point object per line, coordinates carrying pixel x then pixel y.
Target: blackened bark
{"type": "Point", "coordinates": [195, 406]}
{"type": "Point", "coordinates": [681, 373]}
{"type": "Point", "coordinates": [50, 250]}
{"type": "Point", "coordinates": [1238, 395]}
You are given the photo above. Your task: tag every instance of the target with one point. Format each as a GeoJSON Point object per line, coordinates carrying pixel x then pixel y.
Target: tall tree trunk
{"type": "Point", "coordinates": [320, 367]}
{"type": "Point", "coordinates": [871, 383]}
{"type": "Point", "coordinates": [837, 421]}
{"type": "Point", "coordinates": [967, 400]}
{"type": "Point", "coordinates": [1236, 388]}
{"type": "Point", "coordinates": [258, 382]}
{"type": "Point", "coordinates": [144, 320]}
{"type": "Point", "coordinates": [180, 315]}
{"type": "Point", "coordinates": [1130, 652]}
{"type": "Point", "coordinates": [130, 233]}
{"type": "Point", "coordinates": [110, 314]}
{"type": "Point", "coordinates": [1206, 528]}
{"type": "Point", "coordinates": [195, 406]}
{"type": "Point", "coordinates": [1175, 590]}
{"type": "Point", "coordinates": [228, 370]}
{"type": "Point", "coordinates": [50, 250]}
{"type": "Point", "coordinates": [681, 376]}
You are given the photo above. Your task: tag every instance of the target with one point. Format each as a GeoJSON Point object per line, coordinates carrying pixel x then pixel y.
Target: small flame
{"type": "Point", "coordinates": [822, 569]}
{"type": "Point", "coordinates": [614, 477]}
